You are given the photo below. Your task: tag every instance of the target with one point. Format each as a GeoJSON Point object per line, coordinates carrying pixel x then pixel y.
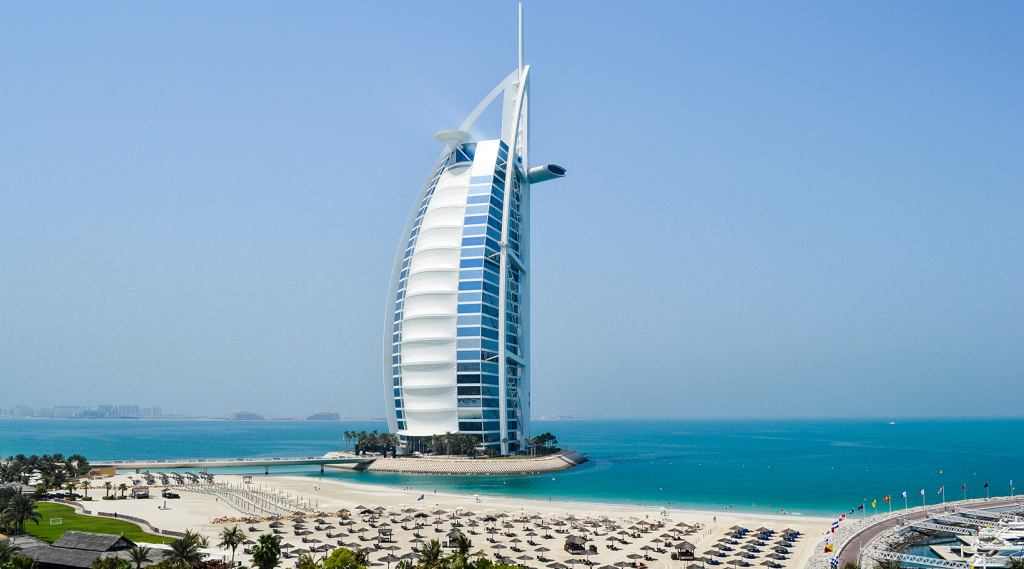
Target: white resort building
{"type": "Point", "coordinates": [457, 322]}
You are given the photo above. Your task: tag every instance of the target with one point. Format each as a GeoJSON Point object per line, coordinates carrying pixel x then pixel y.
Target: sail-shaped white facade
{"type": "Point", "coordinates": [457, 327]}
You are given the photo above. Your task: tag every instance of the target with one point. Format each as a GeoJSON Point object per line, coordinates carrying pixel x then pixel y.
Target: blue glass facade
{"type": "Point", "coordinates": [479, 304]}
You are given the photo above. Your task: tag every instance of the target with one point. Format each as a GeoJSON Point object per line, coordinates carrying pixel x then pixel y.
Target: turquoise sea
{"type": "Point", "coordinates": [803, 466]}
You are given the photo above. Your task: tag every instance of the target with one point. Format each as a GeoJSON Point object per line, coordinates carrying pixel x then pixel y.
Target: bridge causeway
{"type": "Point", "coordinates": [206, 463]}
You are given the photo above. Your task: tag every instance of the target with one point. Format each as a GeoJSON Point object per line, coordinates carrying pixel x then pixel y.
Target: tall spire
{"type": "Point", "coordinates": [520, 41]}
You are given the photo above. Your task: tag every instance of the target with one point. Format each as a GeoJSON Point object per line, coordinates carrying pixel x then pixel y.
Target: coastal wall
{"type": "Point", "coordinates": [562, 460]}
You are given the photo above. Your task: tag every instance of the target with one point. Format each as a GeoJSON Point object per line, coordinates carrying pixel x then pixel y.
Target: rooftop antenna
{"type": "Point", "coordinates": [520, 41]}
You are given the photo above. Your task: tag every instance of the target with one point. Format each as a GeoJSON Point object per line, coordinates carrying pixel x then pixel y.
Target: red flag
{"type": "Point", "coordinates": [963, 486]}
{"type": "Point", "coordinates": [886, 499]}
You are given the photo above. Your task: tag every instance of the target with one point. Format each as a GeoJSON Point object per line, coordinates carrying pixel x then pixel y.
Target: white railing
{"type": "Point", "coordinates": [942, 527]}
{"type": "Point", "coordinates": [915, 559]}
{"type": "Point", "coordinates": [989, 515]}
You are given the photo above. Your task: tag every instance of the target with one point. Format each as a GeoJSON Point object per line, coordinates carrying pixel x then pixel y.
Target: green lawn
{"type": "Point", "coordinates": [78, 522]}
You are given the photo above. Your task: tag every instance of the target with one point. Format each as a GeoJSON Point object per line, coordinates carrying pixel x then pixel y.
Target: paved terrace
{"type": "Point", "coordinates": [559, 461]}
{"type": "Point", "coordinates": [205, 463]}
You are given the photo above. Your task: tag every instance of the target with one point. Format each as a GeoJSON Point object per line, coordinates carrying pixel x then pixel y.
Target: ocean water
{"type": "Point", "coordinates": [804, 467]}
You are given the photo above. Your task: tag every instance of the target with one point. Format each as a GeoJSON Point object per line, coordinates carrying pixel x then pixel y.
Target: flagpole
{"type": "Point", "coordinates": [905, 505]}
{"type": "Point", "coordinates": [943, 493]}
{"type": "Point", "coordinates": [964, 488]}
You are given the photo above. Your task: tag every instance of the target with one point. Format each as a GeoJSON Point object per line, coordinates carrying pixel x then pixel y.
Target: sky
{"type": "Point", "coordinates": [775, 209]}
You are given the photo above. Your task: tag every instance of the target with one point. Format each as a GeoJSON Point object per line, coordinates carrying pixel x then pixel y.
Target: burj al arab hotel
{"type": "Point", "coordinates": [457, 322]}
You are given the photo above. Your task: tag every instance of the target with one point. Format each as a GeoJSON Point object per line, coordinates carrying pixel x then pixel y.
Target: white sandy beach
{"type": "Point", "coordinates": [197, 512]}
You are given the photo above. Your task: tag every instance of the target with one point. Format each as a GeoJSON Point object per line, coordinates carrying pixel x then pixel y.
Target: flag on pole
{"type": "Point", "coordinates": [886, 499]}
{"type": "Point", "coordinates": [904, 495]}
{"type": "Point", "coordinates": [874, 503]}
{"type": "Point", "coordinates": [420, 498]}
{"type": "Point", "coordinates": [834, 563]}
{"type": "Point", "coordinates": [922, 492]}
{"type": "Point", "coordinates": [860, 507]}
{"type": "Point", "coordinates": [829, 548]}
{"type": "Point", "coordinates": [963, 486]}
{"type": "Point", "coordinates": [940, 490]}
{"type": "Point", "coordinates": [986, 485]}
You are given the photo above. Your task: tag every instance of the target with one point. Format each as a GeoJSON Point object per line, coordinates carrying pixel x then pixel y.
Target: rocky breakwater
{"type": "Point", "coordinates": [561, 460]}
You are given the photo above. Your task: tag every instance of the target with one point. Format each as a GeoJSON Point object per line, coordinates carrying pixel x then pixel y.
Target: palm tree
{"type": "Point", "coordinates": [22, 562]}
{"type": "Point", "coordinates": [197, 538]}
{"type": "Point", "coordinates": [403, 564]}
{"type": "Point", "coordinates": [1012, 563]}
{"type": "Point", "coordinates": [55, 479]}
{"type": "Point", "coordinates": [887, 564]}
{"type": "Point", "coordinates": [308, 561]}
{"type": "Point", "coordinates": [266, 554]}
{"type": "Point", "coordinates": [855, 565]}
{"type": "Point", "coordinates": [5, 497]}
{"type": "Point", "coordinates": [123, 488]}
{"type": "Point", "coordinates": [7, 551]}
{"type": "Point", "coordinates": [139, 555]}
{"type": "Point", "coordinates": [362, 557]}
{"type": "Point", "coordinates": [232, 537]}
{"type": "Point", "coordinates": [107, 486]}
{"type": "Point", "coordinates": [85, 487]}
{"type": "Point", "coordinates": [184, 554]}
{"type": "Point", "coordinates": [430, 555]}
{"type": "Point", "coordinates": [77, 465]}
{"type": "Point", "coordinates": [462, 545]}
{"type": "Point", "coordinates": [71, 490]}
{"type": "Point", "coordinates": [18, 511]}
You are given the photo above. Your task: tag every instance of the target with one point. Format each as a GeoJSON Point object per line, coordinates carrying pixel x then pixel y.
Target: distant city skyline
{"type": "Point", "coordinates": [772, 210]}
{"type": "Point", "coordinates": [116, 412]}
